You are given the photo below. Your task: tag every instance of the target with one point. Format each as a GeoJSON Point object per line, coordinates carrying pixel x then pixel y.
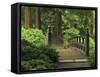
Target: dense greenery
{"type": "Point", "coordinates": [69, 33]}
{"type": "Point", "coordinates": [31, 52]}
{"type": "Point", "coordinates": [36, 64]}
{"type": "Point", "coordinates": [64, 23]}
{"type": "Point", "coordinates": [92, 52]}
{"type": "Point", "coordinates": [34, 36]}
{"type": "Point", "coordinates": [37, 57]}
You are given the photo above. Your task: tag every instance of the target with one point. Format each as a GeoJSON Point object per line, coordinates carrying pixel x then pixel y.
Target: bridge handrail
{"type": "Point", "coordinates": [81, 42]}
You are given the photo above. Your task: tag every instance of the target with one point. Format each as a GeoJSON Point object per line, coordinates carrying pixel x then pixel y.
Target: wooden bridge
{"type": "Point", "coordinates": [71, 57]}
{"type": "Point", "coordinates": [76, 54]}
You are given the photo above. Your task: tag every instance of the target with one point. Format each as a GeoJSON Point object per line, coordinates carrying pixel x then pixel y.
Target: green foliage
{"type": "Point", "coordinates": [35, 54]}
{"type": "Point", "coordinates": [81, 19]}
{"type": "Point", "coordinates": [40, 64]}
{"type": "Point", "coordinates": [36, 64]}
{"type": "Point", "coordinates": [92, 51]}
{"type": "Point", "coordinates": [38, 57]}
{"type": "Point", "coordinates": [68, 33]}
{"type": "Point", "coordinates": [25, 65]}
{"type": "Point", "coordinates": [47, 18]}
{"type": "Point", "coordinates": [71, 32]}
{"type": "Point", "coordinates": [33, 36]}
{"type": "Point", "coordinates": [92, 44]}
{"type": "Point", "coordinates": [31, 52]}
{"type": "Point", "coordinates": [50, 52]}
{"type": "Point", "coordinates": [73, 23]}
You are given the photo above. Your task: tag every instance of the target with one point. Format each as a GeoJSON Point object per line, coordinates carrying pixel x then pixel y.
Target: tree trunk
{"type": "Point", "coordinates": [56, 37]}
{"type": "Point", "coordinates": [28, 17]}
{"type": "Point", "coordinates": [37, 20]}
{"type": "Point", "coordinates": [58, 24]}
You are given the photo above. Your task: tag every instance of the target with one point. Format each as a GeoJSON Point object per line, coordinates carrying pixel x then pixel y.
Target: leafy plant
{"type": "Point", "coordinates": [36, 64]}
{"type": "Point", "coordinates": [45, 52]}
{"type": "Point", "coordinates": [25, 65]}
{"type": "Point", "coordinates": [50, 52]}
{"type": "Point", "coordinates": [68, 33]}
{"type": "Point", "coordinates": [33, 36]}
{"type": "Point", "coordinates": [38, 57]}
{"type": "Point", "coordinates": [71, 32]}
{"type": "Point", "coordinates": [92, 51]}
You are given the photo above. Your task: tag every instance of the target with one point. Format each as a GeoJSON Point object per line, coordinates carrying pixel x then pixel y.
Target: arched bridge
{"type": "Point", "coordinates": [77, 50]}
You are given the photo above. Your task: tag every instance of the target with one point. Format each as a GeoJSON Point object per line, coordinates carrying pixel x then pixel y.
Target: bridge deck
{"type": "Point", "coordinates": [70, 53]}
{"type": "Point", "coordinates": [71, 58]}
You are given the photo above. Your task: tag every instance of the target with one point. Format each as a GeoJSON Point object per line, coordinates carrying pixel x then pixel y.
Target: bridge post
{"type": "Point", "coordinates": [77, 41]}
{"type": "Point", "coordinates": [80, 42]}
{"type": "Point", "coordinates": [73, 41]}
{"type": "Point", "coordinates": [87, 43]}
{"type": "Point", "coordinates": [83, 44]}
{"type": "Point", "coordinates": [49, 36]}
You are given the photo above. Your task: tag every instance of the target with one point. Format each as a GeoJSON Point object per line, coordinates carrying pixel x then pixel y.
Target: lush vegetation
{"type": "Point", "coordinates": [64, 24]}
{"type": "Point", "coordinates": [92, 52]}
{"type": "Point", "coordinates": [69, 33]}
{"type": "Point", "coordinates": [34, 36]}
{"type": "Point", "coordinates": [36, 55]}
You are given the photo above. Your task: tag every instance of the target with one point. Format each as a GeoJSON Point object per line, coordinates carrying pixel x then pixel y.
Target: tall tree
{"type": "Point", "coordinates": [58, 24]}
{"type": "Point", "coordinates": [28, 17]}
{"type": "Point", "coordinates": [37, 18]}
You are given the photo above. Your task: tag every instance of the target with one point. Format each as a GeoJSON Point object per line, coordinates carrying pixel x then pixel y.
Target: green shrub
{"type": "Point", "coordinates": [39, 64]}
{"type": "Point", "coordinates": [69, 33]}
{"type": "Point", "coordinates": [30, 51]}
{"type": "Point", "coordinates": [33, 54]}
{"type": "Point", "coordinates": [50, 52]}
{"type": "Point", "coordinates": [91, 51]}
{"type": "Point", "coordinates": [33, 36]}
{"type": "Point", "coordinates": [25, 65]}
{"type": "Point", "coordinates": [36, 64]}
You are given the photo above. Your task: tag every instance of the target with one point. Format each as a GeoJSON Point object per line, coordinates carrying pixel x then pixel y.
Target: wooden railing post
{"type": "Point", "coordinates": [82, 40]}
{"type": "Point", "coordinates": [83, 44]}
{"type": "Point", "coordinates": [77, 42]}
{"type": "Point", "coordinates": [73, 41]}
{"type": "Point", "coordinates": [87, 43]}
{"type": "Point", "coordinates": [49, 36]}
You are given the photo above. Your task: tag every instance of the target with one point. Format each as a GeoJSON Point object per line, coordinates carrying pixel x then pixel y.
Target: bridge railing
{"type": "Point", "coordinates": [81, 42]}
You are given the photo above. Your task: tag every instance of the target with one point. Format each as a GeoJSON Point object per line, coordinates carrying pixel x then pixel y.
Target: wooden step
{"type": "Point", "coordinates": [74, 60]}
{"type": "Point", "coordinates": [73, 64]}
